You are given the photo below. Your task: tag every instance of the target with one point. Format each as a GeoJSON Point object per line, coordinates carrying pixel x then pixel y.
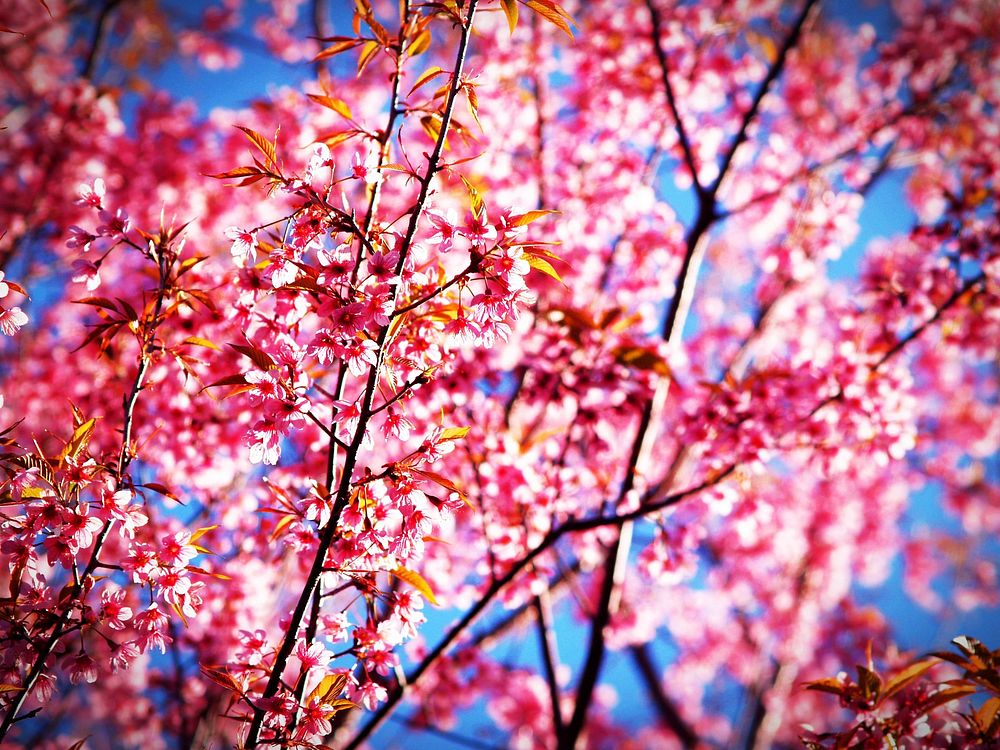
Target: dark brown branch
{"type": "Point", "coordinates": [488, 595]}
{"type": "Point", "coordinates": [330, 531]}
{"type": "Point", "coordinates": [97, 39]}
{"type": "Point", "coordinates": [661, 59]}
{"type": "Point", "coordinates": [321, 28]}
{"type": "Point", "coordinates": [643, 658]}
{"type": "Point", "coordinates": [615, 564]}
{"type": "Point", "coordinates": [62, 625]}
{"type": "Point", "coordinates": [941, 310]}
{"type": "Point", "coordinates": [773, 72]}
{"type": "Point", "coordinates": [672, 331]}
{"type": "Point", "coordinates": [547, 645]}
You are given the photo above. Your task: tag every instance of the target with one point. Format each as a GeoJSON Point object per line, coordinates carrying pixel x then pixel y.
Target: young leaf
{"type": "Point", "coordinates": [329, 687]}
{"type": "Point", "coordinates": [254, 173]}
{"type": "Point", "coordinates": [526, 218]}
{"type": "Point", "coordinates": [342, 46]}
{"type": "Point", "coordinates": [222, 678]}
{"type": "Point", "coordinates": [432, 126]}
{"type": "Point", "coordinates": [237, 379]}
{"type": "Point", "coordinates": [510, 10]}
{"type": "Point", "coordinates": [199, 533]}
{"type": "Point", "coordinates": [428, 75]}
{"type": "Point", "coordinates": [265, 146]}
{"type": "Point", "coordinates": [130, 312]}
{"type": "Point", "coordinates": [986, 715]}
{"type": "Point", "coordinates": [416, 580]}
{"type": "Point", "coordinates": [642, 358]}
{"type": "Point", "coordinates": [78, 443]}
{"type": "Point", "coordinates": [337, 105]}
{"type": "Point", "coordinates": [258, 356]}
{"type": "Point", "coordinates": [900, 680]}
{"type": "Point", "coordinates": [947, 695]}
{"type": "Point", "coordinates": [553, 13]}
{"type": "Point", "coordinates": [420, 44]}
{"type": "Point", "coordinates": [161, 489]}
{"type": "Point", "coordinates": [188, 263]}
{"type": "Point", "coordinates": [827, 685]}
{"type": "Point", "coordinates": [198, 341]}
{"type": "Point", "coordinates": [202, 571]}
{"type": "Point", "coordinates": [101, 302]}
{"type": "Point", "coordinates": [439, 479]}
{"type": "Point", "coordinates": [283, 523]}
{"type": "Point", "coordinates": [368, 53]}
{"type": "Point", "coordinates": [539, 264]}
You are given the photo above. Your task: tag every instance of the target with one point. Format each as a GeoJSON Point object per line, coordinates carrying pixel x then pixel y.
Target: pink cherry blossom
{"type": "Point", "coordinates": [12, 320]}
{"type": "Point", "coordinates": [485, 356]}
{"type": "Point", "coordinates": [92, 194]}
{"type": "Point", "coordinates": [244, 246]}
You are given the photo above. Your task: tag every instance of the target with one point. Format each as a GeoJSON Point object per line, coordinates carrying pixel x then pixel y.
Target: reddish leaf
{"type": "Point", "coordinates": [902, 679]}
{"type": "Point", "coordinates": [336, 49]}
{"type": "Point", "coordinates": [553, 13]}
{"type": "Point", "coordinates": [258, 356]}
{"type": "Point", "coordinates": [265, 146]}
{"type": "Point", "coordinates": [947, 695]}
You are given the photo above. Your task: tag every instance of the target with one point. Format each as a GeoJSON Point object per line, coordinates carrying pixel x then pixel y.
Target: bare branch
{"type": "Point", "coordinates": [682, 135]}
{"type": "Point", "coordinates": [643, 658]}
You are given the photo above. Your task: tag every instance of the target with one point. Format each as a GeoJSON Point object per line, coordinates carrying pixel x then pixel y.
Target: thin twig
{"type": "Point", "coordinates": [661, 59]}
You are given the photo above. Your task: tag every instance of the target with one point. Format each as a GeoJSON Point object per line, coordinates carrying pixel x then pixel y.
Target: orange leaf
{"type": "Point", "coordinates": [337, 105]}
{"type": "Point", "coordinates": [199, 533]}
{"type": "Point", "coordinates": [510, 10]}
{"type": "Point", "coordinates": [986, 715]}
{"type": "Point", "coordinates": [265, 146]}
{"type": "Point", "coordinates": [439, 479]}
{"type": "Point", "coordinates": [523, 219]}
{"type": "Point", "coordinates": [336, 49]}
{"type": "Point", "coordinates": [426, 76]}
{"type": "Point", "coordinates": [237, 172]}
{"type": "Point", "coordinates": [198, 341]}
{"type": "Point", "coordinates": [553, 13]}
{"type": "Point", "coordinates": [544, 266]}
{"type": "Point", "coordinates": [329, 687]}
{"type": "Point", "coordinates": [258, 356]}
{"type": "Point", "coordinates": [827, 685]}
{"type": "Point", "coordinates": [947, 695]}
{"type": "Point", "coordinates": [418, 582]}
{"type": "Point", "coordinates": [453, 433]}
{"type": "Point", "coordinates": [368, 53]}
{"type": "Point", "coordinates": [78, 443]}
{"type": "Point", "coordinates": [420, 44]}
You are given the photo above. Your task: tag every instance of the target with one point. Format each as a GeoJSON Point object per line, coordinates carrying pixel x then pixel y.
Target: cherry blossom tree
{"type": "Point", "coordinates": [516, 342]}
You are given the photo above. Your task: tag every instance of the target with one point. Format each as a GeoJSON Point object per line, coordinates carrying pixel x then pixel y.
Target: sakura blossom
{"type": "Point", "coordinates": [575, 375]}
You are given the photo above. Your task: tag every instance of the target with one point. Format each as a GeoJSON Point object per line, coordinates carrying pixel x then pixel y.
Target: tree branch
{"type": "Point", "coordinates": [330, 531]}
{"type": "Point", "coordinates": [643, 658]}
{"type": "Point", "coordinates": [773, 72]}
{"type": "Point", "coordinates": [62, 625]}
{"type": "Point", "coordinates": [97, 39]}
{"type": "Point", "coordinates": [682, 135]}
{"type": "Point", "coordinates": [547, 645]}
